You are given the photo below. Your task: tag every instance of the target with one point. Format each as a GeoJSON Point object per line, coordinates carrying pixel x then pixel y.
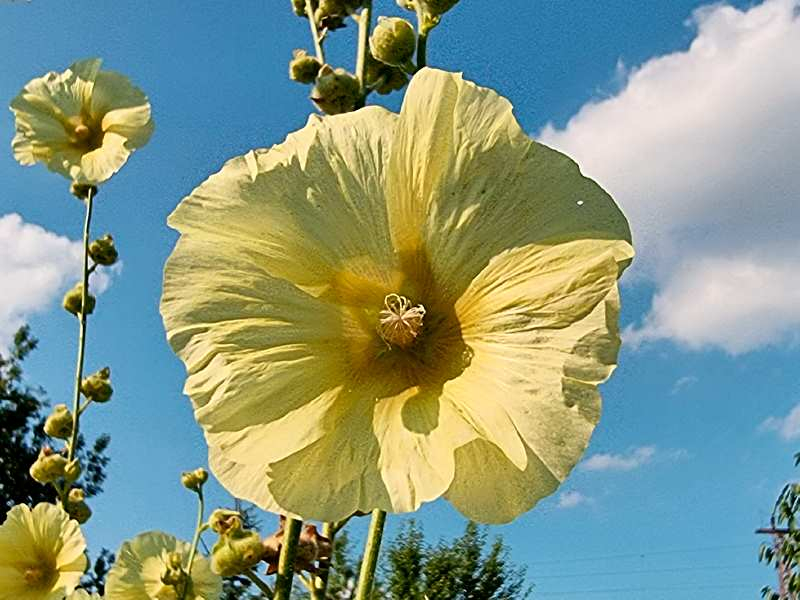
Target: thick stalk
{"type": "Point", "coordinates": [366, 577]}
{"type": "Point", "coordinates": [320, 581]}
{"type": "Point", "coordinates": [265, 589]}
{"type": "Point", "coordinates": [196, 539]}
{"type": "Point", "coordinates": [422, 38]}
{"type": "Point", "coordinates": [315, 33]}
{"type": "Point", "coordinates": [283, 581]}
{"type": "Point", "coordinates": [364, 25]}
{"type": "Point", "coordinates": [76, 399]}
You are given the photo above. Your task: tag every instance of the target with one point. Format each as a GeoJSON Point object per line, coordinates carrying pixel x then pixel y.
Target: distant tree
{"type": "Point", "coordinates": [784, 555]}
{"type": "Point", "coordinates": [22, 415]}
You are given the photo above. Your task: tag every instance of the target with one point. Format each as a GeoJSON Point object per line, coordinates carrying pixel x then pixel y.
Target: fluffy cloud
{"type": "Point", "coordinates": [787, 427]}
{"type": "Point", "coordinates": [572, 499]}
{"type": "Point", "coordinates": [36, 267]}
{"type": "Point", "coordinates": [700, 148]}
{"type": "Point", "coordinates": [620, 462]}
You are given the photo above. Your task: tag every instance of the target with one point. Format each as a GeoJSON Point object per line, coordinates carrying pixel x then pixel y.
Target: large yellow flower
{"type": "Point", "coordinates": [41, 553]}
{"type": "Point", "coordinates": [83, 123]}
{"type": "Point", "coordinates": [387, 308]}
{"type": "Point", "coordinates": [142, 562]}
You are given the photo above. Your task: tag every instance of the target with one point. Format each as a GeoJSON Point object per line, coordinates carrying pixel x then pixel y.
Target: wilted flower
{"type": "Point", "coordinates": [495, 260]}
{"type": "Point", "coordinates": [41, 553]}
{"type": "Point", "coordinates": [82, 123]}
{"type": "Point", "coordinates": [143, 562]}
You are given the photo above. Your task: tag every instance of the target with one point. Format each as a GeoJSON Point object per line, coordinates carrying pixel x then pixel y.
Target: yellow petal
{"type": "Point", "coordinates": [99, 165]}
{"type": "Point", "coordinates": [465, 184]}
{"type": "Point", "coordinates": [121, 108]}
{"type": "Point", "coordinates": [312, 208]}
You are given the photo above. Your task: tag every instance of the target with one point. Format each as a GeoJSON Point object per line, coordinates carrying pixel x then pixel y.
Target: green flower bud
{"type": "Point", "coordinates": [194, 480]}
{"type": "Point", "coordinates": [59, 422]}
{"type": "Point", "coordinates": [383, 78]}
{"type": "Point", "coordinates": [103, 252]}
{"type": "Point", "coordinates": [393, 42]}
{"type": "Point", "coordinates": [81, 190]}
{"type": "Point", "coordinates": [225, 521]}
{"type": "Point", "coordinates": [303, 67]}
{"type": "Point", "coordinates": [299, 7]}
{"type": "Point", "coordinates": [73, 300]}
{"type": "Point", "coordinates": [72, 471]}
{"type": "Point", "coordinates": [49, 466]}
{"type": "Point", "coordinates": [97, 386]}
{"type": "Point", "coordinates": [76, 507]}
{"type": "Point", "coordinates": [337, 91]}
{"type": "Point", "coordinates": [236, 553]}
{"type": "Point", "coordinates": [332, 14]}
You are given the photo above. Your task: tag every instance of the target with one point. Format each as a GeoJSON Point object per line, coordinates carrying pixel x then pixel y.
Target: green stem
{"type": "Point", "coordinates": [291, 537]}
{"type": "Point", "coordinates": [251, 575]}
{"type": "Point", "coordinates": [196, 539]}
{"type": "Point", "coordinates": [76, 399]}
{"type": "Point", "coordinates": [364, 25]}
{"type": "Point", "coordinates": [366, 578]}
{"type": "Point", "coordinates": [320, 582]}
{"type": "Point", "coordinates": [315, 33]}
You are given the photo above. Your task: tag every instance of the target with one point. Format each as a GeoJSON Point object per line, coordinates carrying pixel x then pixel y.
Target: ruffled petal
{"type": "Point", "coordinates": [99, 165]}
{"type": "Point", "coordinates": [312, 208]}
{"type": "Point", "coordinates": [465, 184]}
{"type": "Point", "coordinates": [121, 108]}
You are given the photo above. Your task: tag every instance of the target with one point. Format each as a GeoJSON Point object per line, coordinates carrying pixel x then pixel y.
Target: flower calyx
{"type": "Point", "coordinates": [336, 91]}
{"type": "Point", "coordinates": [97, 386]}
{"type": "Point", "coordinates": [103, 251]}
{"type": "Point", "coordinates": [59, 422]}
{"type": "Point", "coordinates": [49, 466]}
{"type": "Point", "coordinates": [73, 301]}
{"type": "Point", "coordinates": [303, 67]}
{"type": "Point", "coordinates": [194, 480]}
{"type": "Point", "coordinates": [76, 506]}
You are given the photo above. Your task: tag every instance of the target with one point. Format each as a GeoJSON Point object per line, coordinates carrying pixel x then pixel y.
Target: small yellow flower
{"type": "Point", "coordinates": [143, 562]}
{"type": "Point", "coordinates": [386, 309]}
{"type": "Point", "coordinates": [41, 553]}
{"type": "Point", "coordinates": [82, 123]}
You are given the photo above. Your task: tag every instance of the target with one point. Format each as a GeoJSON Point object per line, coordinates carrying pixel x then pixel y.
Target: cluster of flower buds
{"type": "Point", "coordinates": [97, 386]}
{"type": "Point", "coordinates": [73, 301]}
{"type": "Point", "coordinates": [238, 549]}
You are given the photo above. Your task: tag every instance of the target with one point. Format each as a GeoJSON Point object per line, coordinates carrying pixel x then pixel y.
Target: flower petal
{"type": "Point", "coordinates": [465, 183]}
{"type": "Point", "coordinates": [100, 164]}
{"type": "Point", "coordinates": [121, 108]}
{"type": "Point", "coordinates": [313, 207]}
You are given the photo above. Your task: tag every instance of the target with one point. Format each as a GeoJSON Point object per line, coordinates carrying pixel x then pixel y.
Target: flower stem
{"type": "Point", "coordinates": [197, 531]}
{"type": "Point", "coordinates": [251, 575]}
{"type": "Point", "coordinates": [315, 33]}
{"type": "Point", "coordinates": [76, 399]}
{"type": "Point", "coordinates": [321, 580]}
{"type": "Point", "coordinates": [366, 577]}
{"type": "Point", "coordinates": [364, 25]}
{"type": "Point", "coordinates": [291, 537]}
{"type": "Point", "coordinates": [422, 39]}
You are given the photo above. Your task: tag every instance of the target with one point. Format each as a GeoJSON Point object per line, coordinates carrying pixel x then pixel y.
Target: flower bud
{"type": "Point", "coordinates": [303, 67]}
{"type": "Point", "coordinates": [236, 552]}
{"type": "Point", "coordinates": [225, 521]}
{"type": "Point", "coordinates": [383, 78]}
{"type": "Point", "coordinates": [194, 480]}
{"type": "Point", "coordinates": [97, 386]}
{"type": "Point", "coordinates": [299, 7]}
{"type": "Point", "coordinates": [72, 471]}
{"type": "Point", "coordinates": [82, 190]}
{"type": "Point", "coordinates": [332, 14]}
{"type": "Point", "coordinates": [76, 506]}
{"type": "Point", "coordinates": [103, 252]}
{"type": "Point", "coordinates": [337, 91]}
{"type": "Point", "coordinates": [393, 41]}
{"type": "Point", "coordinates": [73, 300]}
{"type": "Point", "coordinates": [59, 422]}
{"type": "Point", "coordinates": [49, 466]}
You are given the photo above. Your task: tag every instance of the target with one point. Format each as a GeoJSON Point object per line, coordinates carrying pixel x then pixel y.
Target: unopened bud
{"type": "Point", "coordinates": [73, 300]}
{"type": "Point", "coordinates": [49, 466]}
{"type": "Point", "coordinates": [82, 190]}
{"type": "Point", "coordinates": [299, 7]}
{"type": "Point", "coordinates": [97, 386]}
{"type": "Point", "coordinates": [59, 422]}
{"type": "Point", "coordinates": [103, 252]}
{"type": "Point", "coordinates": [303, 67]}
{"type": "Point", "coordinates": [393, 42]}
{"type": "Point", "coordinates": [383, 78]}
{"type": "Point", "coordinates": [236, 553]}
{"type": "Point", "coordinates": [72, 471]}
{"type": "Point", "coordinates": [76, 506]}
{"type": "Point", "coordinates": [194, 480]}
{"type": "Point", "coordinates": [332, 14]}
{"type": "Point", "coordinates": [337, 91]}
{"type": "Point", "coordinates": [224, 521]}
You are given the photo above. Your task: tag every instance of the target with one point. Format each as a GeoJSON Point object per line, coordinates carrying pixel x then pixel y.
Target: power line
{"type": "Point", "coordinates": [638, 571]}
{"type": "Point", "coordinates": [644, 554]}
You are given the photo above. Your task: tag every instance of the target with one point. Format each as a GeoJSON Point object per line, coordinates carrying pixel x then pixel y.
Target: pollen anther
{"type": "Point", "coordinates": [400, 322]}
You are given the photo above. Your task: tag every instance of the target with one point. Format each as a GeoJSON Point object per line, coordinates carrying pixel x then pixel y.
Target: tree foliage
{"type": "Point", "coordinates": [22, 415]}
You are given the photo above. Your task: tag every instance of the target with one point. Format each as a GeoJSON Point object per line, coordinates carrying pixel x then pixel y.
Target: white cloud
{"type": "Point", "coordinates": [36, 267]}
{"type": "Point", "coordinates": [787, 427]}
{"type": "Point", "coordinates": [700, 148]}
{"type": "Point", "coordinates": [683, 383]}
{"type": "Point", "coordinates": [620, 462]}
{"type": "Point", "coordinates": [572, 499]}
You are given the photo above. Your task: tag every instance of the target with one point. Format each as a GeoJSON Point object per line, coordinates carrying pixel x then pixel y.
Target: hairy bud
{"type": "Point", "coordinates": [304, 68]}
{"type": "Point", "coordinates": [76, 506]}
{"type": "Point", "coordinates": [59, 422]}
{"type": "Point", "coordinates": [73, 300]}
{"type": "Point", "coordinates": [337, 91]}
{"type": "Point", "coordinates": [194, 480]}
{"type": "Point", "coordinates": [393, 41]}
{"type": "Point", "coordinates": [97, 386]}
{"type": "Point", "coordinates": [103, 252]}
{"type": "Point", "coordinates": [48, 467]}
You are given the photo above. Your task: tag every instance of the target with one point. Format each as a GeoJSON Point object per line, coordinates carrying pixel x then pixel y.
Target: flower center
{"type": "Point", "coordinates": [81, 134]}
{"type": "Point", "coordinates": [400, 322]}
{"type": "Point", "coordinates": [37, 577]}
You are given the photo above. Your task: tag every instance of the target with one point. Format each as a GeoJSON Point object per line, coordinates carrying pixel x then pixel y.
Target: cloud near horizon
{"type": "Point", "coordinates": [700, 149]}
{"type": "Point", "coordinates": [787, 427]}
{"type": "Point", "coordinates": [36, 267]}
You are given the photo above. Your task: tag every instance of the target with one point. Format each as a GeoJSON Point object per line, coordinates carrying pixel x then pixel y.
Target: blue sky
{"type": "Point", "coordinates": [689, 121]}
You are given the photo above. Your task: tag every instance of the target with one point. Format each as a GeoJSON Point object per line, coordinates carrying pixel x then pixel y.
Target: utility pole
{"type": "Point", "coordinates": [783, 572]}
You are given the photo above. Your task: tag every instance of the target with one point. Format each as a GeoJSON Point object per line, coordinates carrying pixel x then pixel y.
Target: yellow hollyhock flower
{"type": "Point", "coordinates": [385, 309]}
{"type": "Point", "coordinates": [143, 561]}
{"type": "Point", "coordinates": [41, 553]}
{"type": "Point", "coordinates": [82, 123]}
